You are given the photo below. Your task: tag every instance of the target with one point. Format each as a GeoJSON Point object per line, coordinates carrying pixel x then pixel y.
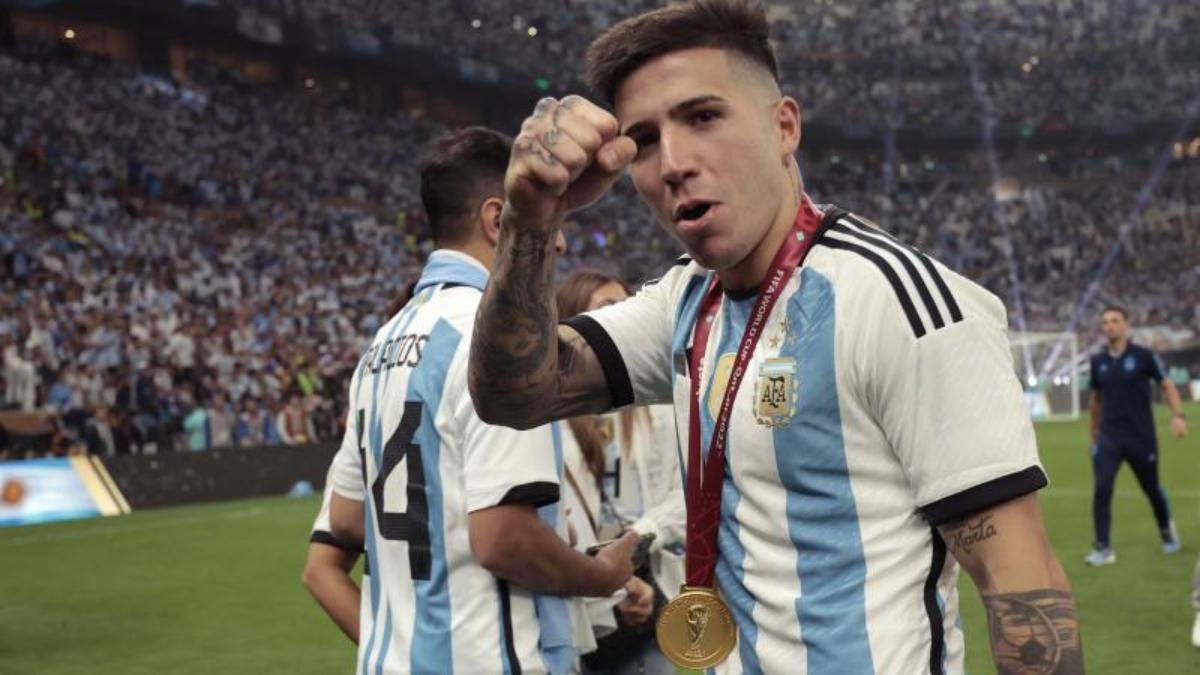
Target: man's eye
{"type": "Point", "coordinates": [645, 142]}
{"type": "Point", "coordinates": [645, 139]}
{"type": "Point", "coordinates": [704, 116]}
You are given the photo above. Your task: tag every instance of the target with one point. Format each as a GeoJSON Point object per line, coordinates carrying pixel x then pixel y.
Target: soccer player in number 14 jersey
{"type": "Point", "coordinates": [453, 538]}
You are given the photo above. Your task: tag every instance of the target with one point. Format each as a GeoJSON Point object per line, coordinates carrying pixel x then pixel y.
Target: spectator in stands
{"type": "Point", "coordinates": [60, 395]}
{"type": "Point", "coordinates": [294, 423]}
{"type": "Point", "coordinates": [20, 376]}
{"type": "Point", "coordinates": [98, 433]}
{"type": "Point", "coordinates": [272, 433]}
{"type": "Point", "coordinates": [221, 421]}
{"type": "Point", "coordinates": [196, 426]}
{"type": "Point", "coordinates": [252, 422]}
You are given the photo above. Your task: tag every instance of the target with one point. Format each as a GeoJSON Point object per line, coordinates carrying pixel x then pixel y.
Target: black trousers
{"type": "Point", "coordinates": [1107, 456]}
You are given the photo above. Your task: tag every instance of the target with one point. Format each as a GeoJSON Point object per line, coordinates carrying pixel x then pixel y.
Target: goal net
{"type": "Point", "coordinates": [1052, 394]}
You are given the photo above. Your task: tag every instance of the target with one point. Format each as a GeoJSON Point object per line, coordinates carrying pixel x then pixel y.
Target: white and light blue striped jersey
{"type": "Point", "coordinates": [421, 460]}
{"type": "Point", "coordinates": [880, 402]}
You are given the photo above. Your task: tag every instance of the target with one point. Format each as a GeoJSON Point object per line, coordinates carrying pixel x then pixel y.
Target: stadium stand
{"type": "Point", "coordinates": [205, 247]}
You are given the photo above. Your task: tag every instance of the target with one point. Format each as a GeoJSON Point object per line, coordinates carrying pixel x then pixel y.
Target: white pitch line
{"type": "Point", "coordinates": [121, 528]}
{"type": "Point", "coordinates": [1082, 492]}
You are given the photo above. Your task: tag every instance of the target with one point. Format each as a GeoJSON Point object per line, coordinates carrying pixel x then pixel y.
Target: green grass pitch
{"type": "Point", "coordinates": [216, 589]}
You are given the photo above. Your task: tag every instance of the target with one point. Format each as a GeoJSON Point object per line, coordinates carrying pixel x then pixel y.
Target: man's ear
{"type": "Point", "coordinates": [489, 218]}
{"type": "Point", "coordinates": [787, 117]}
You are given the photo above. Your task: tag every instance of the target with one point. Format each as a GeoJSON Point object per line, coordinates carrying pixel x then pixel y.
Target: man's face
{"type": "Point", "coordinates": [1114, 325]}
{"type": "Point", "coordinates": [713, 138]}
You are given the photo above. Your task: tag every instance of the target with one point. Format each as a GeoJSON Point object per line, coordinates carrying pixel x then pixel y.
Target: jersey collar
{"type": "Point", "coordinates": [1128, 348]}
{"type": "Point", "coordinates": [452, 267]}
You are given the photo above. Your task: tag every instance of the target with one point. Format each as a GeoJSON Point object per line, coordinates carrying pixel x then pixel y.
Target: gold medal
{"type": "Point", "coordinates": [696, 629]}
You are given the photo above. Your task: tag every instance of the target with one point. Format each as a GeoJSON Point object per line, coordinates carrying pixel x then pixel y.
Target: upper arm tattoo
{"type": "Point", "coordinates": [1033, 632]}
{"type": "Point", "coordinates": [964, 535]}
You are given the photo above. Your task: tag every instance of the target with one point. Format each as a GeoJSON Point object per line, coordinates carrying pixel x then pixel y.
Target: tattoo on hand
{"type": "Point", "coordinates": [1034, 633]}
{"type": "Point", "coordinates": [526, 146]}
{"type": "Point", "coordinates": [550, 138]}
{"type": "Point", "coordinates": [964, 535]}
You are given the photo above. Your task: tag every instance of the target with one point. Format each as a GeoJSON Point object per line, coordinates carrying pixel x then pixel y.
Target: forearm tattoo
{"type": "Point", "coordinates": [516, 326]}
{"type": "Point", "coordinates": [1034, 633]}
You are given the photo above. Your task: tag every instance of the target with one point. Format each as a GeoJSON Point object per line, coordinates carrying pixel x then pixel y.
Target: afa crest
{"type": "Point", "coordinates": [776, 392]}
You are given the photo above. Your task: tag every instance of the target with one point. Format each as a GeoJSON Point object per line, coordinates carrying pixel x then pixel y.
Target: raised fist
{"type": "Point", "coordinates": [567, 155]}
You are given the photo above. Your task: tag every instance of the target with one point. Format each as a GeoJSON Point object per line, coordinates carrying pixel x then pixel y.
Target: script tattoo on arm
{"type": "Point", "coordinates": [1034, 633]}
{"type": "Point", "coordinates": [962, 536]}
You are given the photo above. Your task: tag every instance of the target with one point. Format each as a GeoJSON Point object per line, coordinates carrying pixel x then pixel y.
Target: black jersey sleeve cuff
{"type": "Point", "coordinates": [325, 537]}
{"type": "Point", "coordinates": [536, 494]}
{"type": "Point", "coordinates": [985, 495]}
{"type": "Point", "coordinates": [619, 385]}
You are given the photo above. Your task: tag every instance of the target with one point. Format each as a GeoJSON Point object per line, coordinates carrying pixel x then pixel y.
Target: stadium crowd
{"type": "Point", "coordinates": [1060, 220]}
{"type": "Point", "coordinates": [195, 264]}
{"type": "Point", "coordinates": [1041, 64]}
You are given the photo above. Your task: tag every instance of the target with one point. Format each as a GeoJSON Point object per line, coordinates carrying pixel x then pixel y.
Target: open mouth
{"type": "Point", "coordinates": [694, 211]}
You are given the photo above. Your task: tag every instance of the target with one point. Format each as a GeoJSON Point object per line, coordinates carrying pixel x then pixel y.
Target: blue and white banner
{"type": "Point", "coordinates": [45, 490]}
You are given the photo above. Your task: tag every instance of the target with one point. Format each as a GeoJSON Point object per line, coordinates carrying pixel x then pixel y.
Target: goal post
{"type": "Point", "coordinates": [1054, 394]}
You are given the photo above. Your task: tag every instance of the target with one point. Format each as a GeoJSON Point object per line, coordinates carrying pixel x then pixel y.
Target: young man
{"type": "Point", "coordinates": [879, 426]}
{"type": "Point", "coordinates": [446, 504]}
{"type": "Point", "coordinates": [1123, 429]}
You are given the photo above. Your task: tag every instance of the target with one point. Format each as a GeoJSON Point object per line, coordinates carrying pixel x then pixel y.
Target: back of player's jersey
{"type": "Point", "coordinates": [412, 429]}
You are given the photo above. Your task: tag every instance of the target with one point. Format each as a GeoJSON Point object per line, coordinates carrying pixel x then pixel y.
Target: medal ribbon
{"type": "Point", "coordinates": [705, 476]}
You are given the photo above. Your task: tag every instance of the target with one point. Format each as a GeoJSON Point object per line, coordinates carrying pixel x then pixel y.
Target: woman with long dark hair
{"type": "Point", "coordinates": [621, 472]}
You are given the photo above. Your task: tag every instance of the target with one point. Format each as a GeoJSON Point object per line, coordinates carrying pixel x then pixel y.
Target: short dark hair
{"type": "Point", "coordinates": [458, 171]}
{"type": "Point", "coordinates": [739, 26]}
{"type": "Point", "coordinates": [1118, 309]}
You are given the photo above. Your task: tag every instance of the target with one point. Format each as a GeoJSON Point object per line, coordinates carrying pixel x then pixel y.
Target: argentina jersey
{"type": "Point", "coordinates": [418, 457]}
{"type": "Point", "coordinates": [880, 402]}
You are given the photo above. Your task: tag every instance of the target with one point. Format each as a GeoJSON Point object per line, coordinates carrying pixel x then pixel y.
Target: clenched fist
{"type": "Point", "coordinates": [567, 155]}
